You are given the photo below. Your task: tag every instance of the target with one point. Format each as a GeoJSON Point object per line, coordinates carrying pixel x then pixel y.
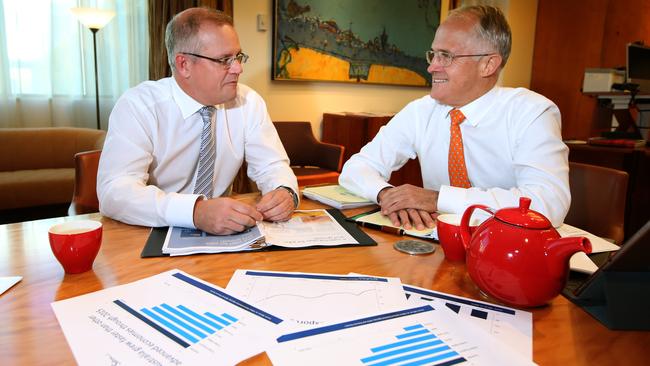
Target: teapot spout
{"type": "Point", "coordinates": [560, 251]}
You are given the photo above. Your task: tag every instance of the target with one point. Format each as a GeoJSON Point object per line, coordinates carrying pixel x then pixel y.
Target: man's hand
{"type": "Point", "coordinates": [276, 205]}
{"type": "Point", "coordinates": [409, 206]}
{"type": "Point", "coordinates": [224, 215]}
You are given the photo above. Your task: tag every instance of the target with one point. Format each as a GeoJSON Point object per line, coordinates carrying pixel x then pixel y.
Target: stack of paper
{"type": "Point", "coordinates": [297, 318]}
{"type": "Point", "coordinates": [366, 320]}
{"type": "Point", "coordinates": [335, 196]}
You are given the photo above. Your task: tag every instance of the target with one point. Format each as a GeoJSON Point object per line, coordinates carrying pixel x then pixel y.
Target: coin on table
{"type": "Point", "coordinates": [414, 247]}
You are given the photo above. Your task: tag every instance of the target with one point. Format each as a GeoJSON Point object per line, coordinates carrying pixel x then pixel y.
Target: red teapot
{"type": "Point", "coordinates": [516, 255]}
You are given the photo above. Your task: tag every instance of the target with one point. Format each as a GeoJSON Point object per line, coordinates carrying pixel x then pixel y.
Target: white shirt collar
{"type": "Point", "coordinates": [476, 109]}
{"type": "Point", "coordinates": [186, 103]}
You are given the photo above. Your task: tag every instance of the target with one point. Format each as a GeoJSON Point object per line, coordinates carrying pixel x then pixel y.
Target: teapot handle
{"type": "Point", "coordinates": [464, 223]}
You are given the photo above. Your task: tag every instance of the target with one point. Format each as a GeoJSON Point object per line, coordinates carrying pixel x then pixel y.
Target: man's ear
{"type": "Point", "coordinates": [491, 65]}
{"type": "Point", "coordinates": [183, 65]}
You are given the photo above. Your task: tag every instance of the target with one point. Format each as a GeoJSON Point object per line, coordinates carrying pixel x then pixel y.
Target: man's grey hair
{"type": "Point", "coordinates": [492, 27]}
{"type": "Point", "coordinates": [181, 34]}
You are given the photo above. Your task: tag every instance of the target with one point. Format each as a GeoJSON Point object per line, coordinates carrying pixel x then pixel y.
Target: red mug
{"type": "Point", "coordinates": [448, 226]}
{"type": "Point", "coordinates": [75, 244]}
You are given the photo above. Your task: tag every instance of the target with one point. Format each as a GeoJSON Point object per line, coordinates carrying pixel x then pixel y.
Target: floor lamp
{"type": "Point", "coordinates": [94, 19]}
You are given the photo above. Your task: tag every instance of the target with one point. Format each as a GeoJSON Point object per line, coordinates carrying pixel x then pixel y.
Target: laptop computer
{"type": "Point", "coordinates": [618, 293]}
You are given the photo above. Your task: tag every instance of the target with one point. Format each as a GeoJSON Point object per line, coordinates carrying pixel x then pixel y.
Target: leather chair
{"type": "Point", "coordinates": [312, 161]}
{"type": "Point", "coordinates": [598, 196]}
{"type": "Point", "coordinates": [84, 198]}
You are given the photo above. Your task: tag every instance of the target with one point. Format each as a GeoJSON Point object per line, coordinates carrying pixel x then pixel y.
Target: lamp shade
{"type": "Point", "coordinates": [93, 18]}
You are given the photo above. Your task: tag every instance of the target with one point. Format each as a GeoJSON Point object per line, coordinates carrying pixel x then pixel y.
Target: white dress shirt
{"type": "Point", "coordinates": [513, 148]}
{"type": "Point", "coordinates": [149, 161]}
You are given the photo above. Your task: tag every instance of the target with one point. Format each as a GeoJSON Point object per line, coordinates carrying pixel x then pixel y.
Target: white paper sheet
{"type": "Point", "coordinates": [512, 327]}
{"type": "Point", "coordinates": [580, 262]}
{"type": "Point", "coordinates": [419, 334]}
{"type": "Point", "coordinates": [311, 299]}
{"type": "Point", "coordinates": [7, 282]}
{"type": "Point", "coordinates": [170, 319]}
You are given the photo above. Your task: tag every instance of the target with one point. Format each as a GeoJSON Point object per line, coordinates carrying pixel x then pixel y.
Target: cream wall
{"type": "Point", "coordinates": [307, 101]}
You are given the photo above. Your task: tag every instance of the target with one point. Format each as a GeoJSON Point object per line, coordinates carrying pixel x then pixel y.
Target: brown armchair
{"type": "Point", "coordinates": [598, 200]}
{"type": "Point", "coordinates": [84, 198]}
{"type": "Point", "coordinates": [312, 161]}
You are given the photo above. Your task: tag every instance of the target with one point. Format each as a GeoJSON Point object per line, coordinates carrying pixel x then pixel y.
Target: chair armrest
{"type": "Point", "coordinates": [329, 156]}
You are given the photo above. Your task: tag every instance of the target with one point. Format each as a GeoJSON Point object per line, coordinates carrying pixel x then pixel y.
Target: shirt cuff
{"type": "Point", "coordinates": [180, 210]}
{"type": "Point", "coordinates": [373, 192]}
{"type": "Point", "coordinates": [452, 199]}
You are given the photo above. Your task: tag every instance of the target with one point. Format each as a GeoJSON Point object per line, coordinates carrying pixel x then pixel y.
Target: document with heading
{"type": "Point", "coordinates": [513, 327]}
{"type": "Point", "coordinates": [312, 299]}
{"type": "Point", "coordinates": [413, 336]}
{"type": "Point", "coordinates": [168, 319]}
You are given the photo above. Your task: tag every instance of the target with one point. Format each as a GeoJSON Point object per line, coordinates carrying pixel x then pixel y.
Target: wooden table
{"type": "Point", "coordinates": [563, 334]}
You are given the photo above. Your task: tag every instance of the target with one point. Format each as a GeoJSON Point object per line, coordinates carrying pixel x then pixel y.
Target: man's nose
{"type": "Point", "coordinates": [236, 67]}
{"type": "Point", "coordinates": [434, 67]}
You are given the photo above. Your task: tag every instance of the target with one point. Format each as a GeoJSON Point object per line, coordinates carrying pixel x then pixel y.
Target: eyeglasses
{"type": "Point", "coordinates": [444, 58]}
{"type": "Point", "coordinates": [225, 61]}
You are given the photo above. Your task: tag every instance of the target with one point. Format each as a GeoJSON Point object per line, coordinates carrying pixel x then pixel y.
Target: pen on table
{"type": "Point", "coordinates": [387, 229]}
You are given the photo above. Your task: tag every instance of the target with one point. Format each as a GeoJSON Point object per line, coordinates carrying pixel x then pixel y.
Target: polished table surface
{"type": "Point", "coordinates": [563, 334]}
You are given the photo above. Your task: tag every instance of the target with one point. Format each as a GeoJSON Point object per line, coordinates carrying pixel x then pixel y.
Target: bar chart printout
{"type": "Point", "coordinates": [413, 336]}
{"type": "Point", "coordinates": [169, 319]}
{"type": "Point", "coordinates": [512, 326]}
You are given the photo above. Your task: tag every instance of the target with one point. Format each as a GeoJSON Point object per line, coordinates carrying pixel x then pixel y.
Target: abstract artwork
{"type": "Point", "coordinates": [355, 41]}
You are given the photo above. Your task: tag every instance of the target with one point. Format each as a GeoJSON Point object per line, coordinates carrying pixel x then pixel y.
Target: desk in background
{"type": "Point", "coordinates": [563, 334]}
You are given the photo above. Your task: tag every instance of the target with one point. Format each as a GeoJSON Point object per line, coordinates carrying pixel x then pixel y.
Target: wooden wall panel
{"type": "Point", "coordinates": [578, 34]}
{"type": "Point", "coordinates": [626, 21]}
{"type": "Point", "coordinates": [568, 39]}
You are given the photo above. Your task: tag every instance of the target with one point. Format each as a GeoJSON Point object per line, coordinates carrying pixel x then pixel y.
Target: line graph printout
{"type": "Point", "coordinates": [413, 336]}
{"type": "Point", "coordinates": [512, 326]}
{"type": "Point", "coordinates": [309, 299]}
{"type": "Point", "coordinates": [168, 319]}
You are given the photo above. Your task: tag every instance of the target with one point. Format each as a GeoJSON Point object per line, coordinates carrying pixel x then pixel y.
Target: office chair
{"type": "Point", "coordinates": [598, 196]}
{"type": "Point", "coordinates": [312, 161]}
{"type": "Point", "coordinates": [84, 198]}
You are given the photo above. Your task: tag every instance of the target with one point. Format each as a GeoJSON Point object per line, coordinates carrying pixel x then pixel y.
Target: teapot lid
{"type": "Point", "coordinates": [523, 216]}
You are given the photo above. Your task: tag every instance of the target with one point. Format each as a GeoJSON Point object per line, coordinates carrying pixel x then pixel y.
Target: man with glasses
{"type": "Point", "coordinates": [175, 145]}
{"type": "Point", "coordinates": [477, 143]}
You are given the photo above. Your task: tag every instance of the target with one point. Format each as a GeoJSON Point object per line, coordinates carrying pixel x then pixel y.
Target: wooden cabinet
{"type": "Point", "coordinates": [355, 130]}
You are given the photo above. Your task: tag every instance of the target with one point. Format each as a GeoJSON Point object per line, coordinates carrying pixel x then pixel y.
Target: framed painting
{"type": "Point", "coordinates": [354, 41]}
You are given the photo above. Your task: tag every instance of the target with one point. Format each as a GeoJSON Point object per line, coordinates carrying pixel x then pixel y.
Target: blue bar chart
{"type": "Point", "coordinates": [415, 346]}
{"type": "Point", "coordinates": [180, 323]}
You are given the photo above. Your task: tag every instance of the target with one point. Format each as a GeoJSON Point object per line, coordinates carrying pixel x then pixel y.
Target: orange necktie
{"type": "Point", "coordinates": [457, 168]}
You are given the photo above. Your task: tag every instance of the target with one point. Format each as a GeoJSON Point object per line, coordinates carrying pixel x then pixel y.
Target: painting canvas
{"type": "Point", "coordinates": [356, 41]}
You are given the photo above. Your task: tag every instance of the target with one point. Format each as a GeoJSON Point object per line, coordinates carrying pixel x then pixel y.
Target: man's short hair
{"type": "Point", "coordinates": [492, 27]}
{"type": "Point", "coordinates": [182, 31]}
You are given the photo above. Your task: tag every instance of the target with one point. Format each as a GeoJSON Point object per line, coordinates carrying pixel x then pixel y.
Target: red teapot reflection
{"type": "Point", "coordinates": [516, 255]}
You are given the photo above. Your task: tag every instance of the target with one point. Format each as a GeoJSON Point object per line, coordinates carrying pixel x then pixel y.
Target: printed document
{"type": "Point", "coordinates": [511, 326]}
{"type": "Point", "coordinates": [311, 299]}
{"type": "Point", "coordinates": [412, 336]}
{"type": "Point", "coordinates": [305, 228]}
{"type": "Point", "coordinates": [168, 319]}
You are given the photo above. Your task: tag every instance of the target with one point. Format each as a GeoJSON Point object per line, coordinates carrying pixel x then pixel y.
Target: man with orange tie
{"type": "Point", "coordinates": [477, 143]}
